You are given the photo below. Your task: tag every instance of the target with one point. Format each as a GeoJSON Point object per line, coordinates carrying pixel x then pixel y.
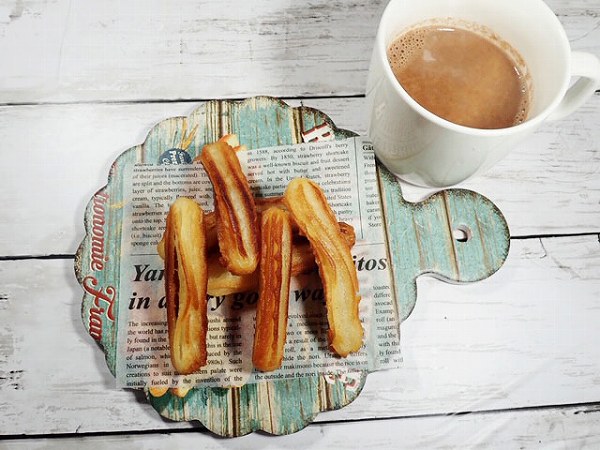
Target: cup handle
{"type": "Point", "coordinates": [587, 67]}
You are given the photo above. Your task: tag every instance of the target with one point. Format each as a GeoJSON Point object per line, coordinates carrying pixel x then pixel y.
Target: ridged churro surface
{"type": "Point", "coordinates": [223, 282]}
{"type": "Point", "coordinates": [186, 279]}
{"type": "Point", "coordinates": [237, 219]}
{"type": "Point", "coordinates": [309, 207]}
{"type": "Point", "coordinates": [274, 290]}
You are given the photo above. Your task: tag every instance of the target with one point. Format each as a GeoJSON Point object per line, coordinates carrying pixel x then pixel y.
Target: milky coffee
{"type": "Point", "coordinates": [465, 74]}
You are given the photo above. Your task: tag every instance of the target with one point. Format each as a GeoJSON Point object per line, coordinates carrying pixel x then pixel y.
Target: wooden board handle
{"type": "Point", "coordinates": [456, 235]}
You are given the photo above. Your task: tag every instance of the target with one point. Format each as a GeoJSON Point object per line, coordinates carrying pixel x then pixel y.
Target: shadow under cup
{"type": "Point", "coordinates": [424, 149]}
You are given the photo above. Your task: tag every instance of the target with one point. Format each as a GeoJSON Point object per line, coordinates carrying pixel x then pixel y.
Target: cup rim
{"type": "Point", "coordinates": [565, 51]}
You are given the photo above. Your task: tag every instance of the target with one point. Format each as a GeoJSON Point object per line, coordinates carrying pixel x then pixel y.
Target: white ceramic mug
{"type": "Point", "coordinates": [424, 149]}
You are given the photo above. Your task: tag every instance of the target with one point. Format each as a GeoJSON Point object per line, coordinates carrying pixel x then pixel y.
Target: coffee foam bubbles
{"type": "Point", "coordinates": [405, 46]}
{"type": "Point", "coordinates": [410, 44]}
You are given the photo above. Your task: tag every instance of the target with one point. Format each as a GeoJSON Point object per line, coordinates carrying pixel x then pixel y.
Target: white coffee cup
{"type": "Point", "coordinates": [424, 149]}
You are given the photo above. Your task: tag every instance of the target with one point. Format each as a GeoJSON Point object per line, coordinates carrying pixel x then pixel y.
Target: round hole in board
{"type": "Point", "coordinates": [462, 233]}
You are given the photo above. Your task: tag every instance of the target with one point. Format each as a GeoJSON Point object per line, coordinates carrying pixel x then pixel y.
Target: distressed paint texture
{"type": "Point", "coordinates": [420, 241]}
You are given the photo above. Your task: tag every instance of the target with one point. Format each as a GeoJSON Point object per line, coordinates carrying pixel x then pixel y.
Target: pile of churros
{"type": "Point", "coordinates": [248, 243]}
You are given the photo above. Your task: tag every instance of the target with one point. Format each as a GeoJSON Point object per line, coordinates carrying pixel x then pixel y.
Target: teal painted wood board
{"type": "Point", "coordinates": [456, 235]}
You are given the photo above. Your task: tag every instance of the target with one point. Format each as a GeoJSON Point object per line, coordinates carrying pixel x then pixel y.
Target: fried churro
{"type": "Point", "coordinates": [223, 282]}
{"type": "Point", "coordinates": [274, 290]}
{"type": "Point", "coordinates": [309, 207]}
{"type": "Point", "coordinates": [180, 391]}
{"type": "Point", "coordinates": [158, 391]}
{"type": "Point", "coordinates": [237, 218]}
{"type": "Point", "coordinates": [186, 279]}
{"type": "Point", "coordinates": [210, 224]}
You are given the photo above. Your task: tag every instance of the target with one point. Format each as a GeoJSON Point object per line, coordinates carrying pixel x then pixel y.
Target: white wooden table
{"type": "Point", "coordinates": [512, 361]}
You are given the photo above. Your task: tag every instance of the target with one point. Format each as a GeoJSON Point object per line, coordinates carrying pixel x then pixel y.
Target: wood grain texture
{"type": "Point", "coordinates": [556, 169]}
{"type": "Point", "coordinates": [455, 235]}
{"type": "Point", "coordinates": [188, 50]}
{"type": "Point", "coordinates": [420, 237]}
{"type": "Point", "coordinates": [149, 50]}
{"type": "Point", "coordinates": [278, 406]}
{"type": "Point", "coordinates": [513, 340]}
{"type": "Point", "coordinates": [522, 338]}
{"type": "Point", "coordinates": [567, 427]}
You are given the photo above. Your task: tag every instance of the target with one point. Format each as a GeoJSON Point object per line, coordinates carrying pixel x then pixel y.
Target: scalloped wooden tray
{"type": "Point", "coordinates": [419, 236]}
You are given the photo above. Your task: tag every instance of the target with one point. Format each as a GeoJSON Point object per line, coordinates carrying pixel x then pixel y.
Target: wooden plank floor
{"type": "Point", "coordinates": [509, 362]}
{"type": "Point", "coordinates": [511, 341]}
{"type": "Point", "coordinates": [558, 168]}
{"type": "Point", "coordinates": [114, 51]}
{"type": "Point", "coordinates": [569, 427]}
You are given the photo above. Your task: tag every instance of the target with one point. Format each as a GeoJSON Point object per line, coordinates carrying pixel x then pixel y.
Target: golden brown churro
{"type": "Point", "coordinates": [237, 224]}
{"type": "Point", "coordinates": [185, 285]}
{"type": "Point", "coordinates": [223, 282]}
{"type": "Point", "coordinates": [210, 224]}
{"type": "Point", "coordinates": [273, 291]}
{"type": "Point", "coordinates": [225, 252]}
{"type": "Point", "coordinates": [308, 205]}
{"type": "Point", "coordinates": [181, 391]}
{"type": "Point", "coordinates": [231, 140]}
{"type": "Point", "coordinates": [158, 391]}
